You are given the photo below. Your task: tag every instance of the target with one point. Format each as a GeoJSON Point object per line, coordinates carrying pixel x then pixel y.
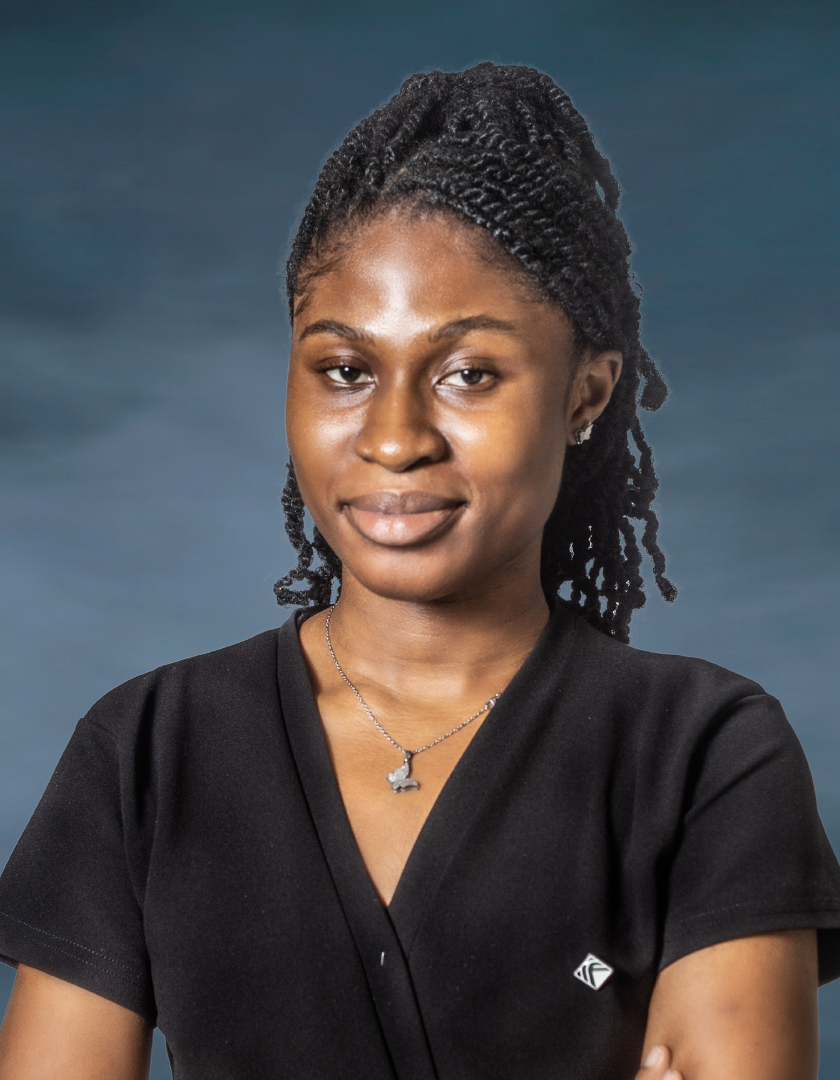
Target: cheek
{"type": "Point", "coordinates": [317, 438]}
{"type": "Point", "coordinates": [515, 457]}
{"type": "Point", "coordinates": [317, 462]}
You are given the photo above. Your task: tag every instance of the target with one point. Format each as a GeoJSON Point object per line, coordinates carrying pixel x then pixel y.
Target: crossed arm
{"type": "Point", "coordinates": [742, 1010]}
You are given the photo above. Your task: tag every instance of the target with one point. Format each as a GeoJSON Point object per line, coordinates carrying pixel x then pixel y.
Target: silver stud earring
{"type": "Point", "coordinates": [582, 434]}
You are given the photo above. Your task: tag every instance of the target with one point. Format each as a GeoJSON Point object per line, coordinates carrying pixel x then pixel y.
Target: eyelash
{"type": "Point", "coordinates": [470, 371]}
{"type": "Point", "coordinates": [481, 372]}
{"type": "Point", "coordinates": [344, 367]}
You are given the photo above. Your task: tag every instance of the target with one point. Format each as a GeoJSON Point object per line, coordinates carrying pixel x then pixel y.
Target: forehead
{"type": "Point", "coordinates": [433, 265]}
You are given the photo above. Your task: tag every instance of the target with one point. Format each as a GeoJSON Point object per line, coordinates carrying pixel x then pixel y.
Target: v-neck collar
{"type": "Point", "coordinates": [462, 795]}
{"type": "Point", "coordinates": [384, 937]}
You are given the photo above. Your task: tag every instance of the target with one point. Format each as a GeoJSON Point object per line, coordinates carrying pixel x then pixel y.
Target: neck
{"type": "Point", "coordinates": [460, 642]}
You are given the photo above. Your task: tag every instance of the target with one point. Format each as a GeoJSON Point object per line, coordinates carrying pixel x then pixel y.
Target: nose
{"type": "Point", "coordinates": [399, 432]}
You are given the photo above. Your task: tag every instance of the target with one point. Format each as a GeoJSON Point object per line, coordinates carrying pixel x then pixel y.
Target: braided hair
{"type": "Point", "coordinates": [503, 148]}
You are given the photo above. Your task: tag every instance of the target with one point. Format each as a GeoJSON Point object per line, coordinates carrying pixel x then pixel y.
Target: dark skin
{"type": "Point", "coordinates": [440, 608]}
{"type": "Point", "coordinates": [432, 400]}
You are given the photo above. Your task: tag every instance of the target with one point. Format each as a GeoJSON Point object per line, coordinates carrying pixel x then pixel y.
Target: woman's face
{"type": "Point", "coordinates": [431, 401]}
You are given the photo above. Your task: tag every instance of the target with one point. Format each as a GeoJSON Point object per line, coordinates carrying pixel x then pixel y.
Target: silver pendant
{"type": "Point", "coordinates": [399, 778]}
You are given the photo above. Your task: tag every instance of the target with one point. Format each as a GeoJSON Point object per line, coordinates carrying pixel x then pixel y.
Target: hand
{"type": "Point", "coordinates": [657, 1066]}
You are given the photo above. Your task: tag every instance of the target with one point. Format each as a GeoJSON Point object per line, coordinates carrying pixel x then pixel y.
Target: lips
{"type": "Point", "coordinates": [399, 519]}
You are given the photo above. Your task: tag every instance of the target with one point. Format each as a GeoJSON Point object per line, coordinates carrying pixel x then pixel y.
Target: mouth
{"type": "Point", "coordinates": [399, 519]}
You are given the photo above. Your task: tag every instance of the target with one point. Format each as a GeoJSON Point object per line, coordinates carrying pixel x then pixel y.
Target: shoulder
{"type": "Point", "coordinates": [227, 680]}
{"type": "Point", "coordinates": [669, 702]}
{"type": "Point", "coordinates": [637, 671]}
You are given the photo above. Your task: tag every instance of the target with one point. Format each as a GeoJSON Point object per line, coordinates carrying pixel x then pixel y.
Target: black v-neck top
{"type": "Point", "coordinates": [191, 859]}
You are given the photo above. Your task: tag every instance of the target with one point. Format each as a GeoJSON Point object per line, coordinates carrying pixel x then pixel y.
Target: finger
{"type": "Point", "coordinates": [656, 1065]}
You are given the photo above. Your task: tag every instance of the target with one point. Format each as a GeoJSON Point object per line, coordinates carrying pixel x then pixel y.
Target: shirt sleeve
{"type": "Point", "coordinates": [753, 856]}
{"type": "Point", "coordinates": [67, 903]}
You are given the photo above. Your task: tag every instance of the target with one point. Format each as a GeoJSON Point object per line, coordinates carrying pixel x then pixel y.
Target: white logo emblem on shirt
{"type": "Point", "coordinates": [593, 972]}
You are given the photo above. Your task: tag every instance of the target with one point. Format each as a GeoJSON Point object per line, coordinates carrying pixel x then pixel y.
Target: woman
{"type": "Point", "coordinates": [451, 826]}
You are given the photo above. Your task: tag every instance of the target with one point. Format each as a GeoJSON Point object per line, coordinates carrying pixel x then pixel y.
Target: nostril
{"type": "Point", "coordinates": [399, 449]}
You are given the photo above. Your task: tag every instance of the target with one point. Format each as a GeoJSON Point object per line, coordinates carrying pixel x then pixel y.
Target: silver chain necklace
{"type": "Point", "coordinates": [400, 779]}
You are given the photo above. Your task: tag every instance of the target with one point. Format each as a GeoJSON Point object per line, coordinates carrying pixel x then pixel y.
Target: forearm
{"type": "Point", "coordinates": [744, 1008]}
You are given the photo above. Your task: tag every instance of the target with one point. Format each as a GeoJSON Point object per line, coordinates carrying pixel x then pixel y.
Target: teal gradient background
{"type": "Point", "coordinates": [155, 158]}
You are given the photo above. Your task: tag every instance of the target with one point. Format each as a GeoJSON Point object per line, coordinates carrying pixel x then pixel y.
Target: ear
{"type": "Point", "coordinates": [591, 389]}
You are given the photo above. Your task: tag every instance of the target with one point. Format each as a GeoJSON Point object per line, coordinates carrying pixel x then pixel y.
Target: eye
{"type": "Point", "coordinates": [467, 377]}
{"type": "Point", "coordinates": [347, 375]}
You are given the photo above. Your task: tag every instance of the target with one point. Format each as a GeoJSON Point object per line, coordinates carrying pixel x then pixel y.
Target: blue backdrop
{"type": "Point", "coordinates": [155, 157]}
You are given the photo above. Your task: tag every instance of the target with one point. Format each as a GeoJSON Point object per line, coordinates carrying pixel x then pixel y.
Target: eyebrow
{"type": "Point", "coordinates": [337, 329]}
{"type": "Point", "coordinates": [473, 322]}
{"type": "Point", "coordinates": [456, 328]}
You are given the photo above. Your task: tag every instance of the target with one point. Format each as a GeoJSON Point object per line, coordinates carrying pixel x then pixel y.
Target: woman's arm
{"type": "Point", "coordinates": [744, 1008]}
{"type": "Point", "coordinates": [57, 1030]}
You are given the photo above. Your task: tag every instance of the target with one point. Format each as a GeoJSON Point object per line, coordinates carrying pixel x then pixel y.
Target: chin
{"type": "Point", "coordinates": [408, 590]}
{"type": "Point", "coordinates": [405, 578]}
